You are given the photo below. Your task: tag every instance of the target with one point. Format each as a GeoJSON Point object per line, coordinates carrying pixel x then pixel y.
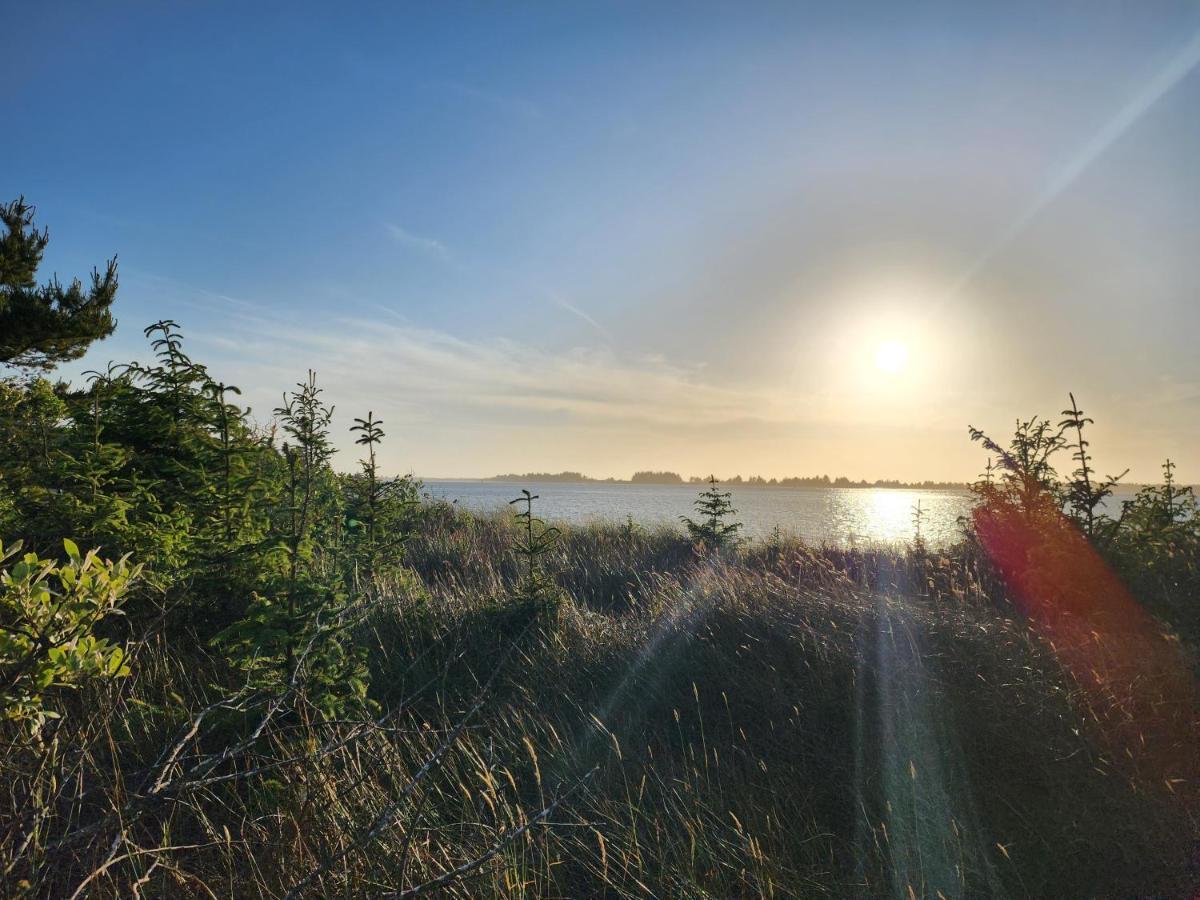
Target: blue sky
{"type": "Point", "coordinates": [618, 236]}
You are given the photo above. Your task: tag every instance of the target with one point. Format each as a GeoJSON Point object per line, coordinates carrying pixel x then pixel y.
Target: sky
{"type": "Point", "coordinates": [610, 237]}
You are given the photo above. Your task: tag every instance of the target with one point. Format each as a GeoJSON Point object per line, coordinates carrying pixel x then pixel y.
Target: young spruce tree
{"type": "Point", "coordinates": [1086, 492]}
{"type": "Point", "coordinates": [299, 634]}
{"type": "Point", "coordinates": [714, 508]}
{"type": "Point", "coordinates": [537, 539]}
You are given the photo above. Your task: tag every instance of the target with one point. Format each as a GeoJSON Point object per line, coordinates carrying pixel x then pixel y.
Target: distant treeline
{"type": "Point", "coordinates": [813, 481]}
{"type": "Point", "coordinates": [550, 476]}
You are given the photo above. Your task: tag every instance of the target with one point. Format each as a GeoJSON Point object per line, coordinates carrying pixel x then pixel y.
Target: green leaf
{"type": "Point", "coordinates": [115, 661]}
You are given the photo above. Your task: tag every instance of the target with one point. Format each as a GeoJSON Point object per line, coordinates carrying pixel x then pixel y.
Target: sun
{"type": "Point", "coordinates": [891, 357]}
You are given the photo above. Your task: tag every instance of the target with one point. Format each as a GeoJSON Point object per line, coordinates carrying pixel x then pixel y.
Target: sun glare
{"type": "Point", "coordinates": [891, 357]}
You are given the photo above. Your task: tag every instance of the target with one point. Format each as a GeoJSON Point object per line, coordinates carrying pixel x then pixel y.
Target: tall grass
{"type": "Point", "coordinates": [778, 720]}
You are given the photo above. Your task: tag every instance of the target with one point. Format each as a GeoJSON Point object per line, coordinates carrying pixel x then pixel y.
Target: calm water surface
{"type": "Point", "coordinates": [834, 515]}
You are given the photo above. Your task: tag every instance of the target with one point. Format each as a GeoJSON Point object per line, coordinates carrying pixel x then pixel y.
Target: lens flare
{"type": "Point", "coordinates": [1134, 683]}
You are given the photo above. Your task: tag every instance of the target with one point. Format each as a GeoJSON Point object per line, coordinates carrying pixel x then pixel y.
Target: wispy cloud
{"type": "Point", "coordinates": [428, 246]}
{"type": "Point", "coordinates": [436, 375]}
{"type": "Point", "coordinates": [563, 303]}
{"type": "Point", "coordinates": [516, 107]}
{"type": "Point", "coordinates": [172, 289]}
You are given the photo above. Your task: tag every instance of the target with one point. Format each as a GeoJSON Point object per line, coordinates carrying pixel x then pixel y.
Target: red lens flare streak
{"type": "Point", "coordinates": [1135, 682]}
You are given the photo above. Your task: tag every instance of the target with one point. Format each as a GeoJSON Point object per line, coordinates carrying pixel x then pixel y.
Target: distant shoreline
{"type": "Point", "coordinates": [753, 482]}
{"type": "Point", "coordinates": [817, 483]}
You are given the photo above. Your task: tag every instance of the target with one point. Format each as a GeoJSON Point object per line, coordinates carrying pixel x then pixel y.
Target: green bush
{"type": "Point", "coordinates": [49, 613]}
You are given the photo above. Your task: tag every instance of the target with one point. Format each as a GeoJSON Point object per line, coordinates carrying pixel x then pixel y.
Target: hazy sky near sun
{"type": "Point", "coordinates": [617, 236]}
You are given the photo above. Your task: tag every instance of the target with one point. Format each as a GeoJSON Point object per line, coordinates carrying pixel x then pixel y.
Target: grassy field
{"type": "Point", "coordinates": [777, 720]}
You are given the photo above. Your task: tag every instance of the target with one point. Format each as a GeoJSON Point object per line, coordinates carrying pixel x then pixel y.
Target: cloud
{"type": "Point", "coordinates": [171, 290]}
{"type": "Point", "coordinates": [563, 303]}
{"type": "Point", "coordinates": [432, 375]}
{"type": "Point", "coordinates": [434, 249]}
{"type": "Point", "coordinates": [515, 107]}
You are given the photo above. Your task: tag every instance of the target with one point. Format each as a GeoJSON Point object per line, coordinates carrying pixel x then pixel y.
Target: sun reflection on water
{"type": "Point", "coordinates": [832, 515]}
{"type": "Point", "coordinates": [881, 515]}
